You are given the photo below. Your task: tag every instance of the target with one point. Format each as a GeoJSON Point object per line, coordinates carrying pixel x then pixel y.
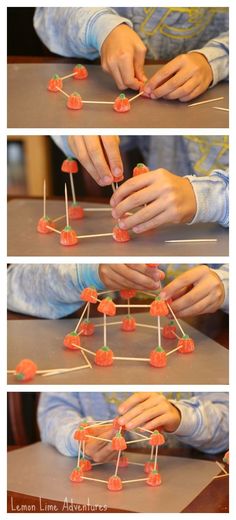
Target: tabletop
{"type": "Point", "coordinates": [31, 105]}
{"type": "Point", "coordinates": [23, 239]}
{"type": "Point", "coordinates": [203, 494]}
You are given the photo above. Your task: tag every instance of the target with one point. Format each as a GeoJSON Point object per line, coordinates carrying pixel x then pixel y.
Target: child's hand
{"type": "Point", "coordinates": [99, 155]}
{"type": "Point", "coordinates": [100, 451]}
{"type": "Point", "coordinates": [184, 78]}
{"type": "Point", "coordinates": [149, 410]}
{"type": "Point", "coordinates": [131, 276]}
{"type": "Point", "coordinates": [203, 292]}
{"type": "Point", "coordinates": [170, 200]}
{"type": "Point", "coordinates": [122, 56]}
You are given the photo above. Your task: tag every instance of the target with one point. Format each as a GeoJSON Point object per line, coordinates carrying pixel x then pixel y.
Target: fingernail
{"type": "Point", "coordinates": [121, 421]}
{"type": "Point", "coordinates": [121, 409]}
{"type": "Point", "coordinates": [107, 180]}
{"type": "Point", "coordinates": [122, 224]}
{"type": "Point", "coordinates": [147, 90]}
{"type": "Point", "coordinates": [136, 230]}
{"type": "Point", "coordinates": [117, 172]}
{"type": "Point", "coordinates": [114, 213]}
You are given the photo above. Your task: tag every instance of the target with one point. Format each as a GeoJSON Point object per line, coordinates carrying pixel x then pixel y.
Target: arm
{"type": "Point", "coordinates": [76, 31]}
{"type": "Point", "coordinates": [216, 52]}
{"type": "Point", "coordinates": [204, 421]}
{"type": "Point", "coordinates": [59, 415]}
{"type": "Point", "coordinates": [212, 197]}
{"type": "Point", "coordinates": [49, 291]}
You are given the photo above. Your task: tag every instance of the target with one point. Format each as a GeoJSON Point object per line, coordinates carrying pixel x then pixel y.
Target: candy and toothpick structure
{"type": "Point", "coordinates": [119, 444]}
{"type": "Point", "coordinates": [104, 356]}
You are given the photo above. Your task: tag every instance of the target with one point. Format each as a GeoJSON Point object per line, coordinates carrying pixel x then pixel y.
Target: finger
{"type": "Point", "coordinates": [129, 187]}
{"type": "Point", "coordinates": [143, 215]}
{"type": "Point", "coordinates": [132, 276]}
{"type": "Point", "coordinates": [195, 93]}
{"type": "Point", "coordinates": [200, 307]}
{"type": "Point", "coordinates": [139, 409]}
{"type": "Point", "coordinates": [134, 399]}
{"type": "Point", "coordinates": [97, 157]}
{"type": "Point", "coordinates": [163, 74]}
{"type": "Point", "coordinates": [156, 274]}
{"type": "Point", "coordinates": [126, 67]}
{"type": "Point", "coordinates": [184, 90]}
{"type": "Point", "coordinates": [177, 81]}
{"type": "Point", "coordinates": [111, 146]}
{"type": "Point", "coordinates": [199, 291]}
{"type": "Point", "coordinates": [135, 200]}
{"type": "Point", "coordinates": [115, 72]}
{"type": "Point", "coordinates": [190, 277]}
{"type": "Point", "coordinates": [139, 59]}
{"type": "Point", "coordinates": [145, 416]}
{"type": "Point", "coordinates": [157, 422]}
{"type": "Point", "coordinates": [81, 153]}
{"type": "Point", "coordinates": [161, 220]}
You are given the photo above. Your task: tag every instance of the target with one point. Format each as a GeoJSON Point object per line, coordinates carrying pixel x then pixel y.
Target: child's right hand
{"type": "Point", "coordinates": [100, 451]}
{"type": "Point", "coordinates": [122, 56]}
{"type": "Point", "coordinates": [130, 276]}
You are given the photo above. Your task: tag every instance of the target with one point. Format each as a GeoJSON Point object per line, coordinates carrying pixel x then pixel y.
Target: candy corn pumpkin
{"type": "Point", "coordinates": [158, 357]}
{"type": "Point", "coordinates": [169, 331]}
{"type": "Point", "coordinates": [128, 324]}
{"type": "Point", "coordinates": [54, 83]}
{"type": "Point", "coordinates": [123, 462]}
{"type": "Point", "coordinates": [85, 465]}
{"type": "Point", "coordinates": [158, 307]}
{"type": "Point", "coordinates": [104, 357]}
{"type": "Point", "coordinates": [68, 237]}
{"type": "Point", "coordinates": [107, 306]}
{"type": "Point", "coordinates": [186, 345]}
{"type": "Point", "coordinates": [25, 370]}
{"type": "Point", "coordinates": [121, 104]}
{"type": "Point", "coordinates": [76, 212]}
{"type": "Point", "coordinates": [154, 478]}
{"type": "Point", "coordinates": [80, 434]}
{"type": "Point", "coordinates": [128, 293]}
{"type": "Point", "coordinates": [72, 341]}
{"type": "Point", "coordinates": [118, 442]}
{"type": "Point", "coordinates": [156, 439]}
{"type": "Point", "coordinates": [43, 223]}
{"type": "Point", "coordinates": [74, 101]}
{"type": "Point", "coordinates": [69, 165]}
{"type": "Point", "coordinates": [116, 425]}
{"type": "Point", "coordinates": [87, 328]}
{"type": "Point", "coordinates": [139, 169]}
{"type": "Point", "coordinates": [120, 235]}
{"type": "Point", "coordinates": [80, 71]}
{"type": "Point", "coordinates": [149, 466]}
{"type": "Point", "coordinates": [114, 483]}
{"type": "Point", "coordinates": [89, 294]}
{"type": "Point", "coordinates": [76, 475]}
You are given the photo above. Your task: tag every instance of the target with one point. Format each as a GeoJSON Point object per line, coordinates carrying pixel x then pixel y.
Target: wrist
{"type": "Point", "coordinates": [190, 206]}
{"type": "Point", "coordinates": [174, 422]}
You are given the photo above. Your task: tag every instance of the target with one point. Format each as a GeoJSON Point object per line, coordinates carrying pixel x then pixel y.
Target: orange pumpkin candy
{"type": "Point", "coordinates": [43, 223]}
{"type": "Point", "coordinates": [158, 307]}
{"type": "Point", "coordinates": [128, 293]}
{"type": "Point", "coordinates": [128, 324]}
{"type": "Point", "coordinates": [154, 478]}
{"type": "Point", "coordinates": [68, 237]}
{"type": "Point", "coordinates": [72, 341]}
{"type": "Point", "coordinates": [85, 465]}
{"type": "Point", "coordinates": [107, 306]}
{"type": "Point", "coordinates": [89, 294]}
{"type": "Point", "coordinates": [117, 426]}
{"type": "Point", "coordinates": [76, 212]}
{"type": "Point", "coordinates": [120, 235]}
{"type": "Point", "coordinates": [76, 475]}
{"type": "Point", "coordinates": [104, 357]}
{"type": "Point", "coordinates": [123, 462]}
{"type": "Point", "coordinates": [54, 83]}
{"type": "Point", "coordinates": [80, 434]}
{"type": "Point", "coordinates": [121, 104]}
{"type": "Point", "coordinates": [118, 442]}
{"type": "Point", "coordinates": [226, 458]}
{"type": "Point", "coordinates": [86, 328]}
{"type": "Point", "coordinates": [169, 331]}
{"type": "Point", "coordinates": [158, 358]}
{"type": "Point", "coordinates": [69, 165]}
{"type": "Point", "coordinates": [74, 101]}
{"type": "Point", "coordinates": [186, 345]}
{"type": "Point", "coordinates": [114, 483]}
{"type": "Point", "coordinates": [25, 370]}
{"type": "Point", "coordinates": [156, 439]}
{"type": "Point", "coordinates": [139, 169]}
{"type": "Point", "coordinates": [80, 71]}
{"type": "Point", "coordinates": [149, 466]}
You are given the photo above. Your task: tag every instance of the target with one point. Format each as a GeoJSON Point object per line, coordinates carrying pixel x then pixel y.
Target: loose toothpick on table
{"type": "Point", "coordinates": [206, 101]}
{"type": "Point", "coordinates": [192, 240]}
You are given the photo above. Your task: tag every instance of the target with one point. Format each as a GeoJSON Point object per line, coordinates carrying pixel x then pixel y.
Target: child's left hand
{"type": "Point", "coordinates": [184, 78]}
{"type": "Point", "coordinates": [170, 200]}
{"type": "Point", "coordinates": [149, 410]}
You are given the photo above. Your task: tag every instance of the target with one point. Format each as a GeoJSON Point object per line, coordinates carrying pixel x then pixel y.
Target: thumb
{"type": "Point", "coordinates": [139, 59]}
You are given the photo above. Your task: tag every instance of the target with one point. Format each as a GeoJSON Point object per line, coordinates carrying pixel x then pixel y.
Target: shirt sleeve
{"type": "Point", "coordinates": [212, 197]}
{"type": "Point", "coordinates": [223, 273]}
{"type": "Point", "coordinates": [204, 421]}
{"type": "Point", "coordinates": [217, 53]}
{"type": "Point", "coordinates": [50, 291]}
{"type": "Point", "coordinates": [59, 415]}
{"type": "Point", "coordinates": [76, 31]}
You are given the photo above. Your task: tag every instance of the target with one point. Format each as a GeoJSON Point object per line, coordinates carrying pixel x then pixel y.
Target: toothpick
{"type": "Point", "coordinates": [159, 330]}
{"type": "Point", "coordinates": [144, 429]}
{"type": "Point", "coordinates": [88, 311]}
{"type": "Point", "coordinates": [153, 295]}
{"type": "Point", "coordinates": [94, 479]}
{"type": "Point", "coordinates": [68, 75]}
{"type": "Point", "coordinates": [221, 467]}
{"type": "Point", "coordinates": [221, 108]}
{"type": "Point", "coordinates": [147, 326]}
{"type": "Point", "coordinates": [79, 452]}
{"type": "Point", "coordinates": [59, 218]}
{"type": "Point", "coordinates": [98, 209]}
{"type": "Point", "coordinates": [136, 463]}
{"type": "Point", "coordinates": [155, 459]}
{"type": "Point", "coordinates": [128, 305]}
{"type": "Point", "coordinates": [152, 453]}
{"type": "Point", "coordinates": [99, 102]}
{"type": "Point", "coordinates": [221, 476]}
{"type": "Point", "coordinates": [86, 358]}
{"type": "Point", "coordinates": [55, 230]}
{"type": "Point", "coordinates": [108, 324]}
{"type": "Point", "coordinates": [63, 92]}
{"type": "Point", "coordinates": [135, 97]}
{"type": "Point", "coordinates": [64, 370]}
{"type": "Point", "coordinates": [203, 102]}
{"type": "Point", "coordinates": [44, 199]}
{"type": "Point", "coordinates": [83, 449]}
{"type": "Point", "coordinates": [67, 210]}
{"type": "Point", "coordinates": [113, 187]}
{"type": "Point", "coordinates": [133, 305]}
{"type": "Point", "coordinates": [130, 359]}
{"type": "Point", "coordinates": [137, 440]}
{"type": "Point", "coordinates": [177, 321]}
{"type": "Point", "coordinates": [140, 435]}
{"type": "Point", "coordinates": [98, 438]}
{"type": "Point", "coordinates": [72, 188]}
{"type": "Point", "coordinates": [85, 349]}
{"type": "Point", "coordinates": [134, 480]}
{"type": "Point", "coordinates": [173, 350]}
{"type": "Point", "coordinates": [81, 317]}
{"type": "Point", "coordinates": [98, 424]}
{"type": "Point", "coordinates": [117, 462]}
{"type": "Point", "coordinates": [192, 240]}
{"type": "Point", "coordinates": [105, 329]}
{"type": "Point", "coordinates": [96, 235]}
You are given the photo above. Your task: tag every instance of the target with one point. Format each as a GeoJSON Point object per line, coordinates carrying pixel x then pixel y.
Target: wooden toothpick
{"type": "Point", "coordinates": [192, 240]}
{"type": "Point", "coordinates": [130, 359]}
{"type": "Point", "coordinates": [53, 229]}
{"type": "Point", "coordinates": [98, 102]}
{"type": "Point", "coordinates": [204, 102]}
{"type": "Point", "coordinates": [68, 75]}
{"type": "Point", "coordinates": [64, 370]}
{"type": "Point", "coordinates": [117, 462]}
{"type": "Point", "coordinates": [135, 97]}
{"type": "Point", "coordinates": [81, 317]}
{"type": "Point", "coordinates": [63, 92]}
{"type": "Point", "coordinates": [67, 210]}
{"type": "Point", "coordinates": [177, 321]}
{"type": "Point", "coordinates": [85, 349]}
{"type": "Point", "coordinates": [134, 480]}
{"type": "Point", "coordinates": [72, 188]}
{"type": "Point", "coordinates": [95, 235]}
{"type": "Point", "coordinates": [105, 329]}
{"type": "Point", "coordinates": [221, 108]}
{"type": "Point", "coordinates": [44, 199]}
{"type": "Point", "coordinates": [86, 358]}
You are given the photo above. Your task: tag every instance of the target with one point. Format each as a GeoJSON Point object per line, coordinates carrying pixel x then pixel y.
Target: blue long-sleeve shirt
{"type": "Point", "coordinates": [204, 417]}
{"type": "Point", "coordinates": [202, 159]}
{"type": "Point", "coordinates": [53, 291]}
{"type": "Point", "coordinates": [166, 31]}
